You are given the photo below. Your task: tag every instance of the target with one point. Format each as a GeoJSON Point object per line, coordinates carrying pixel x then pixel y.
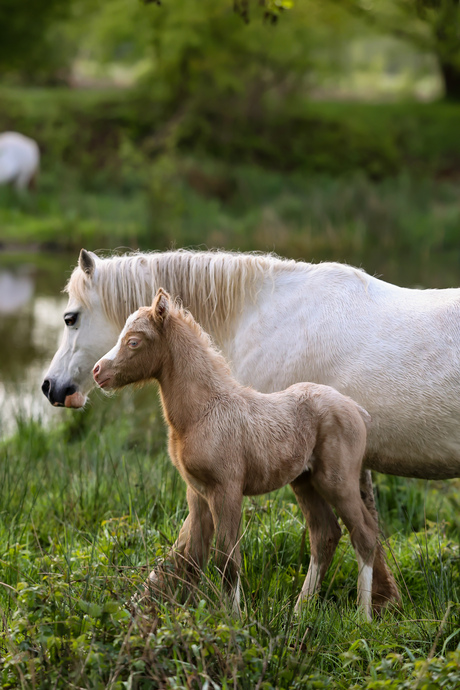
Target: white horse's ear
{"type": "Point", "coordinates": [160, 306]}
{"type": "Point", "coordinates": [87, 262]}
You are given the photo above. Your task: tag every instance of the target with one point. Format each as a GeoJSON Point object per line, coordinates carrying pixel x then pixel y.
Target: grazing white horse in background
{"type": "Point", "coordinates": [396, 351]}
{"type": "Point", "coordinates": [19, 160]}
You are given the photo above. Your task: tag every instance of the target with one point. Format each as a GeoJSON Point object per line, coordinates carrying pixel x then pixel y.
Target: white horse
{"type": "Point", "coordinates": [19, 160]}
{"type": "Point", "coordinates": [394, 350]}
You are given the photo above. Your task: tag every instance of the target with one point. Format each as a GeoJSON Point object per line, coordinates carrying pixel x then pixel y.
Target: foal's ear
{"type": "Point", "coordinates": [160, 306]}
{"type": "Point", "coordinates": [87, 262]}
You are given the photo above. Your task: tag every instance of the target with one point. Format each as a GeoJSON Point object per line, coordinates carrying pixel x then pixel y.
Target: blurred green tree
{"type": "Point", "coordinates": [271, 9]}
{"type": "Point", "coordinates": [29, 38]}
{"type": "Point", "coordinates": [202, 48]}
{"type": "Point", "coordinates": [432, 26]}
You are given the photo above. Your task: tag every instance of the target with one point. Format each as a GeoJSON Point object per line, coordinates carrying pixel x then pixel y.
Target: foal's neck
{"type": "Point", "coordinates": [192, 376]}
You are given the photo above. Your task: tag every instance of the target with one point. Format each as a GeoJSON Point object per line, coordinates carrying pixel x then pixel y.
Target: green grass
{"type": "Point", "coordinates": [86, 505]}
{"type": "Point", "coordinates": [64, 216]}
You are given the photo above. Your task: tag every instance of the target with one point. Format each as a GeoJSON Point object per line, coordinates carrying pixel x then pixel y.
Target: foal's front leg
{"type": "Point", "coordinates": [177, 548]}
{"type": "Point", "coordinates": [190, 552]}
{"type": "Point", "coordinates": [225, 505]}
{"type": "Point", "coordinates": [200, 533]}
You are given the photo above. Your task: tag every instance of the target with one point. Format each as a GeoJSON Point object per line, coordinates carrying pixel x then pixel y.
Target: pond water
{"type": "Point", "coordinates": [31, 308]}
{"type": "Point", "coordinates": [31, 325]}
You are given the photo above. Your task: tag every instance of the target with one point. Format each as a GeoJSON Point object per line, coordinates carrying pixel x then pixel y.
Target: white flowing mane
{"type": "Point", "coordinates": [213, 285]}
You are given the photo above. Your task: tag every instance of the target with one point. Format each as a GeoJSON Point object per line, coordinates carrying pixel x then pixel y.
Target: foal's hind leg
{"type": "Point", "coordinates": [324, 533]}
{"type": "Point", "coordinates": [384, 587]}
{"type": "Point", "coordinates": [338, 483]}
{"type": "Point", "coordinates": [201, 531]}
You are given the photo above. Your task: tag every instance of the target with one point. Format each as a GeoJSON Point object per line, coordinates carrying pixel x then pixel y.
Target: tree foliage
{"type": "Point", "coordinates": [198, 51]}
{"type": "Point", "coordinates": [432, 26]}
{"type": "Point", "coordinates": [28, 40]}
{"type": "Point", "coordinates": [212, 48]}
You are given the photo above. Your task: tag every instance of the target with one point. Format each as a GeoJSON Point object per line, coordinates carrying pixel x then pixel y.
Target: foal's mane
{"type": "Point", "coordinates": [212, 284]}
{"type": "Point", "coordinates": [178, 313]}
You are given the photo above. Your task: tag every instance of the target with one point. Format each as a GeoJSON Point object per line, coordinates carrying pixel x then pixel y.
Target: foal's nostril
{"type": "Point", "coordinates": [46, 387]}
{"type": "Point", "coordinates": [96, 370]}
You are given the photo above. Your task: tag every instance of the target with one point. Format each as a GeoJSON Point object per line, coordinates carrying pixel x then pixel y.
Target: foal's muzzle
{"type": "Point", "coordinates": [57, 394]}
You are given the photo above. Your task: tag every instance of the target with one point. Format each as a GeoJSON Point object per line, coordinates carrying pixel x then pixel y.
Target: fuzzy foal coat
{"type": "Point", "coordinates": [230, 441]}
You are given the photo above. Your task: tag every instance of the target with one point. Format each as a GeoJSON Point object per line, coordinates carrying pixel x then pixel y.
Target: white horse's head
{"type": "Point", "coordinates": [88, 334]}
{"type": "Point", "coordinates": [215, 286]}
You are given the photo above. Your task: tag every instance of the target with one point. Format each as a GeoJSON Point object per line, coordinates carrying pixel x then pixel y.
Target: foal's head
{"type": "Point", "coordinates": [139, 353]}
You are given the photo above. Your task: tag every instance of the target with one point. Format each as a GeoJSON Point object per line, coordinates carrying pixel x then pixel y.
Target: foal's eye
{"type": "Point", "coordinates": [132, 343]}
{"type": "Point", "coordinates": [70, 319]}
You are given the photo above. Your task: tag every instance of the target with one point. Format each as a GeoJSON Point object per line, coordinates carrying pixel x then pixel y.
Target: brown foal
{"type": "Point", "coordinates": [230, 441]}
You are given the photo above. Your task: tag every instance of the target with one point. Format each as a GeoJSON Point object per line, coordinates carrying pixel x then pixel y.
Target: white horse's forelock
{"type": "Point", "coordinates": [213, 285]}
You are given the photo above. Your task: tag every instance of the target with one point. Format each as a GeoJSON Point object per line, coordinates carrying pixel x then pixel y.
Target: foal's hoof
{"type": "Point", "coordinates": [143, 606]}
{"type": "Point", "coordinates": [144, 600]}
{"type": "Point", "coordinates": [302, 603]}
{"type": "Point", "coordinates": [384, 603]}
{"type": "Point", "coordinates": [139, 602]}
{"type": "Point", "coordinates": [386, 598]}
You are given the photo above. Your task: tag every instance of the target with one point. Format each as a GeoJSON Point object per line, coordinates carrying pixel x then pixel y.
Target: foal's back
{"type": "Point", "coordinates": [267, 440]}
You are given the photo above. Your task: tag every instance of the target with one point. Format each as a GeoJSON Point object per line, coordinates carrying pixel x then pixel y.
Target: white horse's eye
{"type": "Point", "coordinates": [133, 342]}
{"type": "Point", "coordinates": [70, 319]}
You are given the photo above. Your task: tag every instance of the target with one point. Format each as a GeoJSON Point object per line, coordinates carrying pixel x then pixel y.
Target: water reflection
{"type": "Point", "coordinates": [15, 290]}
{"type": "Point", "coordinates": [30, 330]}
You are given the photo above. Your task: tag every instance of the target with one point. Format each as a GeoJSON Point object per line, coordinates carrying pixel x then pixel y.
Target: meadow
{"type": "Point", "coordinates": [88, 504]}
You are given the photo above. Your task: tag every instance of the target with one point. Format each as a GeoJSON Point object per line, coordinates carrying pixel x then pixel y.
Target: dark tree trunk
{"type": "Point", "coordinates": [445, 33]}
{"type": "Point", "coordinates": [451, 78]}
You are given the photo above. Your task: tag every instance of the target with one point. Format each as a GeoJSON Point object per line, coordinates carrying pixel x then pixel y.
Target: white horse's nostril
{"type": "Point", "coordinates": [96, 369]}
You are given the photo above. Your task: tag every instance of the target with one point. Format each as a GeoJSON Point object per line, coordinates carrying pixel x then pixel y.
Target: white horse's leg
{"type": "Point", "coordinates": [384, 587]}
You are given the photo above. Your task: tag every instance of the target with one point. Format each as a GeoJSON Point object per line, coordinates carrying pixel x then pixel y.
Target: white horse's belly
{"type": "Point", "coordinates": [428, 450]}
{"type": "Point", "coordinates": [418, 468]}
